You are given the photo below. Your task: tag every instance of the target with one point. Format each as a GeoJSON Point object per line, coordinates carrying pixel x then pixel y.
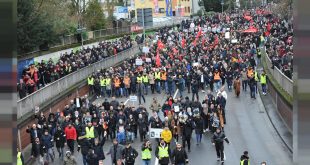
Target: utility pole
{"type": "Point", "coordinates": [222, 3]}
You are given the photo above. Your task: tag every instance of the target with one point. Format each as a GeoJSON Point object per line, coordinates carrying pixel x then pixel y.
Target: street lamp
{"type": "Point", "coordinates": [222, 3]}
{"type": "Point", "coordinates": [142, 1]}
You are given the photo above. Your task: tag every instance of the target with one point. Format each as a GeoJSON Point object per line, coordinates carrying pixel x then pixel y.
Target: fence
{"type": "Point", "coordinates": [37, 98]}
{"type": "Point", "coordinates": [283, 81]}
{"type": "Point", "coordinates": [92, 35]}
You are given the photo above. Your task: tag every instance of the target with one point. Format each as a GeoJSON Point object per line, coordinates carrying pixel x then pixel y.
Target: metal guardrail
{"type": "Point", "coordinates": [284, 81]}
{"type": "Point", "coordinates": [37, 98]}
{"type": "Point", "coordinates": [90, 35]}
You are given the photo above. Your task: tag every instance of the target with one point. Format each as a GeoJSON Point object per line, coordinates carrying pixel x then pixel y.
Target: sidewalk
{"type": "Point", "coordinates": [276, 120]}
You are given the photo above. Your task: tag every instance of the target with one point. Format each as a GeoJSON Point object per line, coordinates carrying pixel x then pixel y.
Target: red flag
{"type": "Point", "coordinates": [183, 43]}
{"type": "Point", "coordinates": [160, 45]}
{"type": "Point", "coordinates": [268, 27]}
{"type": "Point", "coordinates": [199, 33]}
{"type": "Point", "coordinates": [157, 59]}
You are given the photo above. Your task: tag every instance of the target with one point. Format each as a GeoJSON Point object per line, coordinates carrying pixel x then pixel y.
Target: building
{"type": "Point", "coordinates": [182, 7]}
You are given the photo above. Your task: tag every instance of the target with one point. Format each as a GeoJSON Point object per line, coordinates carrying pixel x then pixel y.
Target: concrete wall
{"type": "Point", "coordinates": [284, 109]}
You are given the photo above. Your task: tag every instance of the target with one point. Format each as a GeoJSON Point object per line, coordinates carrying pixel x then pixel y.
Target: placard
{"type": "Point", "coordinates": [234, 41]}
{"type": "Point", "coordinates": [146, 49]}
{"type": "Point", "coordinates": [139, 62]}
{"type": "Point", "coordinates": [148, 60]}
{"type": "Point", "coordinates": [227, 35]}
{"type": "Point", "coordinates": [176, 109]}
{"type": "Point", "coordinates": [155, 132]}
{"type": "Point", "coordinates": [133, 98]}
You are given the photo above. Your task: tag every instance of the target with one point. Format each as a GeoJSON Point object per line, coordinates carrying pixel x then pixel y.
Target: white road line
{"type": "Point", "coordinates": [126, 101]}
{"type": "Point", "coordinates": [175, 94]}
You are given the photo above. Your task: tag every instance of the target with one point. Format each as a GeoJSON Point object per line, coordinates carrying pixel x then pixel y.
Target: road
{"type": "Point", "coordinates": [248, 128]}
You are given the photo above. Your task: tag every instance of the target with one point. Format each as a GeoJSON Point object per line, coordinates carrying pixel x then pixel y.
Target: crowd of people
{"type": "Point", "coordinates": [195, 58]}
{"type": "Point", "coordinates": [36, 76]}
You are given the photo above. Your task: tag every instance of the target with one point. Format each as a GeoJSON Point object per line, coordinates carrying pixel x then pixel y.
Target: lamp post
{"type": "Point", "coordinates": [142, 1]}
{"type": "Point", "coordinates": [222, 3]}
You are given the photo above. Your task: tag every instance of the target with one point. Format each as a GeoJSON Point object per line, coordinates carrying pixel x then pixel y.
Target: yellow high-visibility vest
{"type": "Point", "coordinates": [107, 81]}
{"type": "Point", "coordinates": [242, 162]}
{"type": "Point", "coordinates": [263, 79]}
{"type": "Point", "coordinates": [145, 79]}
{"type": "Point", "coordinates": [102, 82]}
{"type": "Point", "coordinates": [163, 152]}
{"type": "Point", "coordinates": [139, 79]}
{"type": "Point", "coordinates": [90, 81]}
{"type": "Point", "coordinates": [157, 75]}
{"type": "Point", "coordinates": [256, 77]}
{"type": "Point", "coordinates": [90, 133]}
{"type": "Point", "coordinates": [19, 159]}
{"type": "Point", "coordinates": [146, 154]}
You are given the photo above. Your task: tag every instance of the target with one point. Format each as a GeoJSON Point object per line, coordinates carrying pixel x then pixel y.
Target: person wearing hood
{"type": "Point", "coordinates": [69, 159]}
{"type": "Point", "coordinates": [163, 153]}
{"type": "Point", "coordinates": [179, 155]}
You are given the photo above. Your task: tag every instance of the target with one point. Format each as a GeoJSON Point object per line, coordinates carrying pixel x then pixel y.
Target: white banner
{"type": "Point", "coordinates": [139, 61]}
{"type": "Point", "coordinates": [155, 132]}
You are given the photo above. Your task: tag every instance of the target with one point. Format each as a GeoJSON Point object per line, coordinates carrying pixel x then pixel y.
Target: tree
{"type": "Point", "coordinates": [94, 16]}
{"type": "Point", "coordinates": [33, 27]}
{"type": "Point", "coordinates": [214, 5]}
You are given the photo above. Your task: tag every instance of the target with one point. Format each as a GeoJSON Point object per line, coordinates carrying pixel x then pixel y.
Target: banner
{"type": "Point", "coordinates": [155, 132]}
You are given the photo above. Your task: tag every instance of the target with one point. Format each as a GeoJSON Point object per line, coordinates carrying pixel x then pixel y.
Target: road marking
{"type": "Point", "coordinates": [175, 94]}
{"type": "Point", "coordinates": [126, 101]}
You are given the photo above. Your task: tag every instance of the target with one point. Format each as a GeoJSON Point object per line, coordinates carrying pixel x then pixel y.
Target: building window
{"type": "Point", "coordinates": [189, 9]}
{"type": "Point", "coordinates": [185, 10]}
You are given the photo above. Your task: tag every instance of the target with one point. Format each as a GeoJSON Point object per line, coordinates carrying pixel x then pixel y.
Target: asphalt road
{"type": "Point", "coordinates": [247, 128]}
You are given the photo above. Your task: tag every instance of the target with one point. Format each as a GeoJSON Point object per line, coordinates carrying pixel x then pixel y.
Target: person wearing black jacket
{"type": "Point", "coordinates": [98, 149]}
{"type": "Point", "coordinates": [195, 87]}
{"type": "Point", "coordinates": [218, 140]}
{"type": "Point", "coordinates": [142, 125]}
{"type": "Point", "coordinates": [198, 129]}
{"type": "Point", "coordinates": [37, 152]}
{"type": "Point", "coordinates": [60, 139]}
{"type": "Point", "coordinates": [244, 159]}
{"type": "Point", "coordinates": [129, 154]}
{"type": "Point", "coordinates": [92, 158]}
{"type": "Point", "coordinates": [187, 133]}
{"type": "Point", "coordinates": [84, 145]}
{"type": "Point", "coordinates": [179, 155]}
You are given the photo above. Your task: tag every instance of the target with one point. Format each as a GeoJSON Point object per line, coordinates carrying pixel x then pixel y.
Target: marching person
{"type": "Point", "coordinates": [218, 140]}
{"type": "Point", "coordinates": [163, 153]}
{"type": "Point", "coordinates": [263, 82]}
{"type": "Point", "coordinates": [69, 159]}
{"type": "Point", "coordinates": [140, 87]}
{"type": "Point", "coordinates": [179, 155]}
{"type": "Point", "coordinates": [146, 152]}
{"type": "Point", "coordinates": [84, 145]}
{"type": "Point", "coordinates": [60, 139]}
{"type": "Point", "coordinates": [237, 85]}
{"type": "Point", "coordinates": [20, 158]}
{"type": "Point", "coordinates": [245, 160]}
{"type": "Point", "coordinates": [129, 154]}
{"type": "Point", "coordinates": [71, 136]}
{"type": "Point", "coordinates": [116, 152]}
{"type": "Point", "coordinates": [166, 135]}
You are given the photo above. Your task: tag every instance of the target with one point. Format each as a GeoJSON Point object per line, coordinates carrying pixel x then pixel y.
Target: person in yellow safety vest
{"type": "Point", "coordinates": [20, 158]}
{"type": "Point", "coordinates": [263, 82]}
{"type": "Point", "coordinates": [102, 86]}
{"type": "Point", "coordinates": [256, 78]}
{"type": "Point", "coordinates": [145, 80]}
{"type": "Point", "coordinates": [90, 132]}
{"type": "Point", "coordinates": [146, 152]}
{"type": "Point", "coordinates": [117, 85]}
{"type": "Point", "coordinates": [157, 75]}
{"type": "Point", "coordinates": [139, 79]}
{"type": "Point", "coordinates": [163, 153]}
{"type": "Point", "coordinates": [108, 85]}
{"type": "Point", "coordinates": [245, 160]}
{"type": "Point", "coordinates": [90, 83]}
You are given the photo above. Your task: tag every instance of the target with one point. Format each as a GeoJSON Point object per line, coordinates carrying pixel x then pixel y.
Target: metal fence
{"type": "Point", "coordinates": [37, 98]}
{"type": "Point", "coordinates": [71, 39]}
{"type": "Point", "coordinates": [284, 81]}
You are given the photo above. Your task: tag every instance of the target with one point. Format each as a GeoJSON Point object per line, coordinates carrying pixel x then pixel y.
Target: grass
{"type": "Point", "coordinates": [277, 86]}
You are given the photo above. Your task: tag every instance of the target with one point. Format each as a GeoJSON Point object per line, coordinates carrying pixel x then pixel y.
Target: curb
{"type": "Point", "coordinates": [273, 125]}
